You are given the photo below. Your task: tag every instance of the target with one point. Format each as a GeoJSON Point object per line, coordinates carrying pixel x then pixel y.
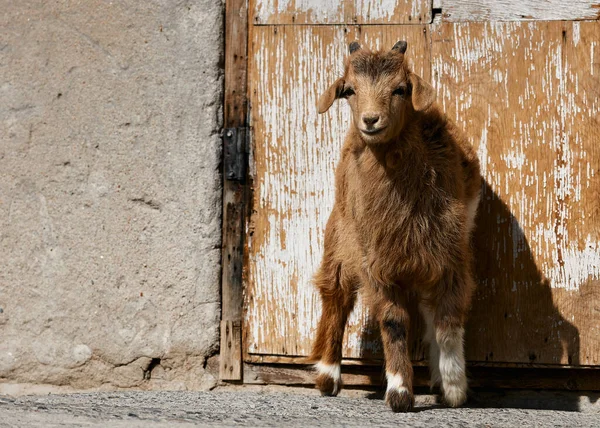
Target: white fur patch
{"type": "Point", "coordinates": [395, 382]}
{"type": "Point", "coordinates": [472, 206]}
{"type": "Point", "coordinates": [334, 371]}
{"type": "Point", "coordinates": [452, 366]}
{"type": "Point", "coordinates": [452, 359]}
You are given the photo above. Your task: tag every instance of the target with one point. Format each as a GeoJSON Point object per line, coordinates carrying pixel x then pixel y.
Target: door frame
{"type": "Point", "coordinates": [235, 365]}
{"type": "Point", "coordinates": [236, 193]}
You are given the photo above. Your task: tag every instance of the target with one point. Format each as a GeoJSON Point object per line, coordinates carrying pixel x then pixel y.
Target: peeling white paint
{"type": "Point", "coordinates": [318, 11]}
{"type": "Point", "coordinates": [482, 151]}
{"type": "Point", "coordinates": [381, 11]}
{"type": "Point", "coordinates": [547, 125]}
{"type": "Point", "coordinates": [576, 33]}
{"type": "Point", "coordinates": [531, 142]}
{"type": "Point", "coordinates": [296, 191]}
{"type": "Point", "coordinates": [334, 12]}
{"type": "Point", "coordinates": [514, 159]}
{"type": "Point", "coordinates": [519, 10]}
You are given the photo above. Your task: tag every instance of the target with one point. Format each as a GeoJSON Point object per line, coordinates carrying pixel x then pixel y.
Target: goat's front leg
{"type": "Point", "coordinates": [390, 307]}
{"type": "Point", "coordinates": [338, 296]}
{"type": "Point", "coordinates": [449, 319]}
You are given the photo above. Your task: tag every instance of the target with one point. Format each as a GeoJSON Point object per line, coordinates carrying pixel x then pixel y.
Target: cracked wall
{"type": "Point", "coordinates": [110, 192]}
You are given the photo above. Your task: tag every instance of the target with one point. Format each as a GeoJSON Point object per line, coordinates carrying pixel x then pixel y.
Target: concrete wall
{"type": "Point", "coordinates": [110, 194]}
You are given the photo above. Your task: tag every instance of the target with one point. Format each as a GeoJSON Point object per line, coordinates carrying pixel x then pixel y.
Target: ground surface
{"type": "Point", "coordinates": [292, 407]}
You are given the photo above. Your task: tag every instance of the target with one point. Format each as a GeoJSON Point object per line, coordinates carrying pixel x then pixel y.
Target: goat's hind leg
{"type": "Point", "coordinates": [338, 296]}
{"type": "Point", "coordinates": [450, 315]}
{"type": "Point", "coordinates": [434, 349]}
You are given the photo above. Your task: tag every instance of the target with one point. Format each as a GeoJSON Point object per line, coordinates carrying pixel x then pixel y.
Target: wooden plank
{"type": "Point", "coordinates": [519, 10]}
{"type": "Point", "coordinates": [236, 63]}
{"type": "Point", "coordinates": [295, 152]}
{"type": "Point", "coordinates": [270, 12]}
{"type": "Point", "coordinates": [529, 95]}
{"type": "Point", "coordinates": [266, 374]}
{"type": "Point", "coordinates": [232, 251]}
{"type": "Point", "coordinates": [230, 361]}
{"type": "Point", "coordinates": [234, 192]}
{"type": "Point", "coordinates": [284, 359]}
{"type": "Point", "coordinates": [311, 12]}
{"type": "Point", "coordinates": [479, 377]}
{"type": "Point", "coordinates": [290, 360]}
{"type": "Point", "coordinates": [392, 11]}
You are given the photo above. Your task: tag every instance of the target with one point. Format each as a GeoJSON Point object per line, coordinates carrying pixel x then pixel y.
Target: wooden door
{"type": "Point", "coordinates": [528, 95]}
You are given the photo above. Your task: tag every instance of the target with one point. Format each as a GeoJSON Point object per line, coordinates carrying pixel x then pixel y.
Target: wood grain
{"type": "Point", "coordinates": [230, 362]}
{"type": "Point", "coordinates": [286, 360]}
{"type": "Point", "coordinates": [295, 152]}
{"type": "Point", "coordinates": [234, 193]}
{"type": "Point", "coordinates": [529, 98]}
{"type": "Point", "coordinates": [519, 10]}
{"type": "Point", "coordinates": [302, 12]}
{"type": "Point", "coordinates": [527, 94]}
{"type": "Point", "coordinates": [479, 377]}
{"type": "Point", "coordinates": [392, 11]}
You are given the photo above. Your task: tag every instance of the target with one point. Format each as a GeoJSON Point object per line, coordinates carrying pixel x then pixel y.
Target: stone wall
{"type": "Point", "coordinates": [110, 192]}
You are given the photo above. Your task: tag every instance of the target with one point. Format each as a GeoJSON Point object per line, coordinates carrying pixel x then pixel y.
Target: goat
{"type": "Point", "coordinates": [407, 190]}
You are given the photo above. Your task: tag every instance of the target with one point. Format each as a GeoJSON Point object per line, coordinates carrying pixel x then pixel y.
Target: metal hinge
{"type": "Point", "coordinates": [235, 156]}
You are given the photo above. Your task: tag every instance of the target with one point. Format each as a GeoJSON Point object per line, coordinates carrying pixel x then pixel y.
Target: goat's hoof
{"type": "Point", "coordinates": [399, 400]}
{"type": "Point", "coordinates": [455, 395]}
{"type": "Point", "coordinates": [328, 385]}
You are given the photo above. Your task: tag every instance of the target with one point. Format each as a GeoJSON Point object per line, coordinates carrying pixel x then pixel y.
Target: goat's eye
{"type": "Point", "coordinates": [400, 91]}
{"type": "Point", "coordinates": [347, 92]}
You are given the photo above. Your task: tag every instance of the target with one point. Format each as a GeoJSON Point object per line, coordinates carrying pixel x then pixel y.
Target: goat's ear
{"type": "Point", "coordinates": [330, 95]}
{"type": "Point", "coordinates": [423, 94]}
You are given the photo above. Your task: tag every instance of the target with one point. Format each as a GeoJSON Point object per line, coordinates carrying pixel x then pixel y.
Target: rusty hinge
{"type": "Point", "coordinates": [235, 156]}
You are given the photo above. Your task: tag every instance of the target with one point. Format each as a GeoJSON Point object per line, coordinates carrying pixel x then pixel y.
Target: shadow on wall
{"type": "Point", "coordinates": [513, 318]}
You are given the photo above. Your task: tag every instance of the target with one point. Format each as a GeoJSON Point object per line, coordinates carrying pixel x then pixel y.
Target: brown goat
{"type": "Point", "coordinates": [407, 191]}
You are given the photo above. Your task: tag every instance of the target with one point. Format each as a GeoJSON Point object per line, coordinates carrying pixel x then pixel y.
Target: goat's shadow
{"type": "Point", "coordinates": [513, 318]}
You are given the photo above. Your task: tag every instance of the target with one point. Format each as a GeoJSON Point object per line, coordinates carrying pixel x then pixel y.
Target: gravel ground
{"type": "Point", "coordinates": [251, 406]}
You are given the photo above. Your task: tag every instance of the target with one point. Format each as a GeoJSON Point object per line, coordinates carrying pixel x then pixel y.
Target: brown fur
{"type": "Point", "coordinates": [400, 220]}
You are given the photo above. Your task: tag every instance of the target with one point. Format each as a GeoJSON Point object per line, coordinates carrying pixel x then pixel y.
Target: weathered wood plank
{"type": "Point", "coordinates": [234, 192]}
{"type": "Point", "coordinates": [302, 12]}
{"type": "Point", "coordinates": [236, 63]}
{"type": "Point", "coordinates": [528, 94]}
{"type": "Point", "coordinates": [230, 361]}
{"type": "Point", "coordinates": [295, 152]}
{"type": "Point", "coordinates": [520, 10]}
{"type": "Point", "coordinates": [269, 12]}
{"type": "Point", "coordinates": [286, 360]}
{"type": "Point", "coordinates": [304, 375]}
{"type": "Point", "coordinates": [479, 377]}
{"type": "Point", "coordinates": [392, 11]}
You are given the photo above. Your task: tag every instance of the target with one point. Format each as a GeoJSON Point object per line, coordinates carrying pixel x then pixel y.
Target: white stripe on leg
{"type": "Point", "coordinates": [333, 371]}
{"type": "Point", "coordinates": [395, 382]}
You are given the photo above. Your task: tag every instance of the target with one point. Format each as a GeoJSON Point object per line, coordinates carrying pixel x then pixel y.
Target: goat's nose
{"type": "Point", "coordinates": [370, 119]}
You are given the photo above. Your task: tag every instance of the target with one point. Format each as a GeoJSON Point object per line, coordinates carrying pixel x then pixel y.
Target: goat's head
{"type": "Point", "coordinates": [381, 90]}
